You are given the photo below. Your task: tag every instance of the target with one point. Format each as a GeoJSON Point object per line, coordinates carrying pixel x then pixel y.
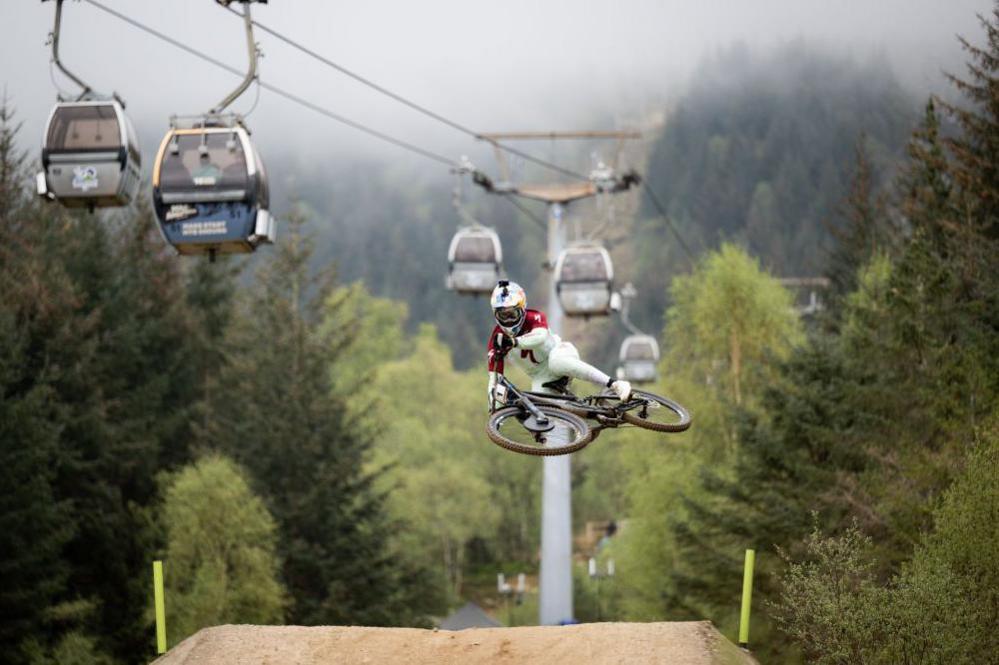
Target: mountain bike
{"type": "Point", "coordinates": [559, 422]}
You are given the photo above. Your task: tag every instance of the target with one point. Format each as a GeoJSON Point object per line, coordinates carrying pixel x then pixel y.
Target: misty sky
{"type": "Point", "coordinates": [519, 64]}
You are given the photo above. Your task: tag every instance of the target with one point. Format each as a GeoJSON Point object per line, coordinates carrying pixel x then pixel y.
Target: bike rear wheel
{"type": "Point", "coordinates": [656, 413]}
{"type": "Point", "coordinates": [506, 429]}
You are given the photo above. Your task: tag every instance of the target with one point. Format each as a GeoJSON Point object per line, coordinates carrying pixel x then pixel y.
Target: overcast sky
{"type": "Point", "coordinates": [517, 64]}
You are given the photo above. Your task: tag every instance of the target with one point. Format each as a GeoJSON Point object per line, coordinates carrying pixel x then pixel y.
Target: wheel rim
{"type": "Point", "coordinates": [563, 434]}
{"type": "Point", "coordinates": [567, 436]}
{"type": "Point", "coordinates": [657, 413]}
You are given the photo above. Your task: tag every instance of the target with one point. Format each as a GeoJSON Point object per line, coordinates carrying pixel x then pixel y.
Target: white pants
{"type": "Point", "coordinates": [564, 361]}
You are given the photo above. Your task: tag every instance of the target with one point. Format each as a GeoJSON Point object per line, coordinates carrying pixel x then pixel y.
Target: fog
{"type": "Point", "coordinates": [517, 65]}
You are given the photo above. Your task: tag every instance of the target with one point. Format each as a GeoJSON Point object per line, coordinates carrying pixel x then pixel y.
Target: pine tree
{"type": "Point", "coordinates": [141, 387]}
{"type": "Point", "coordinates": [97, 313]}
{"type": "Point", "coordinates": [926, 186]}
{"type": "Point", "coordinates": [792, 455]}
{"type": "Point", "coordinates": [910, 369]}
{"type": "Point", "coordinates": [12, 165]}
{"type": "Point", "coordinates": [869, 418]}
{"type": "Point", "coordinates": [863, 231]}
{"type": "Point", "coordinates": [33, 524]}
{"type": "Point", "coordinates": [976, 150]}
{"type": "Point", "coordinates": [273, 411]}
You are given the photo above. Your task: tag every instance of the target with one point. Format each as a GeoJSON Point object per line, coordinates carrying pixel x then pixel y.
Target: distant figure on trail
{"type": "Point", "coordinates": [523, 335]}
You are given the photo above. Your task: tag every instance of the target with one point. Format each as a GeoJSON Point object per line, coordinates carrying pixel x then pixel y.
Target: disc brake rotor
{"type": "Point", "coordinates": [536, 426]}
{"type": "Point", "coordinates": [644, 411]}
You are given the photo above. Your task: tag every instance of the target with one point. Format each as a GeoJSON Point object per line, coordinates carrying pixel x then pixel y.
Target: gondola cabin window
{"type": "Point", "coordinates": [475, 250]}
{"type": "Point", "coordinates": [92, 128]}
{"type": "Point", "coordinates": [584, 267]}
{"type": "Point", "coordinates": [204, 162]}
{"type": "Point", "coordinates": [640, 350]}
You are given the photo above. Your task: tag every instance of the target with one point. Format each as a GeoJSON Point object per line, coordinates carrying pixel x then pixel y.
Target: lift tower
{"type": "Point", "coordinates": [555, 605]}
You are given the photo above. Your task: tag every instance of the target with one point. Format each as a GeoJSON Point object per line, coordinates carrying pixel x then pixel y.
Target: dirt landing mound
{"type": "Point", "coordinates": [687, 643]}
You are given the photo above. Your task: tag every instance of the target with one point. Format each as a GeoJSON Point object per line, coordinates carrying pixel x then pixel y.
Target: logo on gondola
{"type": "Point", "coordinates": [203, 228]}
{"type": "Point", "coordinates": [180, 211]}
{"type": "Point", "coordinates": [85, 177]}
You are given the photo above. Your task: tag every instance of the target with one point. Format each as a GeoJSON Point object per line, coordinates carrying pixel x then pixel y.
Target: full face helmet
{"type": "Point", "coordinates": [509, 303]}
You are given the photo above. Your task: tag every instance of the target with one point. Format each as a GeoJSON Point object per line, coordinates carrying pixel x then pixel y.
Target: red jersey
{"type": "Point", "coordinates": [534, 320]}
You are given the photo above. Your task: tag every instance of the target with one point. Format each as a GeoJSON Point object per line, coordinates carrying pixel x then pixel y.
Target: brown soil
{"type": "Point", "coordinates": [686, 643]}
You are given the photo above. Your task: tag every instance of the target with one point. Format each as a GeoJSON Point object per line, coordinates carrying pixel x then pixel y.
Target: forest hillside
{"type": "Point", "coordinates": [299, 434]}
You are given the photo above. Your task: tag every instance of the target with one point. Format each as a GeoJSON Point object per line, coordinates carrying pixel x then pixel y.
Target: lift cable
{"type": "Point", "coordinates": [527, 211]}
{"type": "Point", "coordinates": [368, 130]}
{"type": "Point", "coordinates": [413, 105]}
{"type": "Point", "coordinates": [669, 222]}
{"type": "Point", "coordinates": [279, 91]}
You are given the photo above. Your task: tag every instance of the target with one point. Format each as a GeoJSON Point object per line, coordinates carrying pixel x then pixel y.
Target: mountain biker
{"type": "Point", "coordinates": [522, 335]}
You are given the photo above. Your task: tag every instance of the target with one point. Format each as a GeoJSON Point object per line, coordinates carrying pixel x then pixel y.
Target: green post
{"type": "Point", "coordinates": [747, 598]}
{"type": "Point", "coordinates": [161, 642]}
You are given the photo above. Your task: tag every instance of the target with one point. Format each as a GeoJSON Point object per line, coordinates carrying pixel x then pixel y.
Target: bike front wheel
{"type": "Point", "coordinates": [656, 413]}
{"type": "Point", "coordinates": [506, 428]}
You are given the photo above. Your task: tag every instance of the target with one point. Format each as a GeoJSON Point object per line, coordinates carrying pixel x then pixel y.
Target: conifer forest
{"type": "Point", "coordinates": [299, 432]}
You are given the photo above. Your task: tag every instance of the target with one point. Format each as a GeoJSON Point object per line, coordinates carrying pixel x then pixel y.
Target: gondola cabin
{"type": "Point", "coordinates": [639, 359]}
{"type": "Point", "coordinates": [210, 191]}
{"type": "Point", "coordinates": [90, 156]}
{"type": "Point", "coordinates": [475, 260]}
{"type": "Point", "coordinates": [584, 280]}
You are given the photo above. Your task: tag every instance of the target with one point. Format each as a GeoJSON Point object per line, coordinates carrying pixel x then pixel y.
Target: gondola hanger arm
{"type": "Point", "coordinates": [54, 41]}
{"type": "Point", "coordinates": [464, 166]}
{"type": "Point", "coordinates": [251, 46]}
{"type": "Point", "coordinates": [628, 293]}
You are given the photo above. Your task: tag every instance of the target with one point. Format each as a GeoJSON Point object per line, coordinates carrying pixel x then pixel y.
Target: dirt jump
{"type": "Point", "coordinates": [680, 643]}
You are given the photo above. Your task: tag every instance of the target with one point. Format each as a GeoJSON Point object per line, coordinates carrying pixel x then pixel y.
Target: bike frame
{"type": "Point", "coordinates": [541, 422]}
{"type": "Point", "coordinates": [606, 416]}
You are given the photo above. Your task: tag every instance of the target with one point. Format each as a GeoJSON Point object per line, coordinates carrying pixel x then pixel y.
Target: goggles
{"type": "Point", "coordinates": [508, 316]}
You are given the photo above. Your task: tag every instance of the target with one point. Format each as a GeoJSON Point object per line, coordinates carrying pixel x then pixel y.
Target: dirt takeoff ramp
{"type": "Point", "coordinates": [684, 643]}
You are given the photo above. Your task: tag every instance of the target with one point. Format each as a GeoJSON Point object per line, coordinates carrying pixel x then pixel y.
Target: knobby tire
{"type": "Point", "coordinates": [631, 416]}
{"type": "Point", "coordinates": [583, 432]}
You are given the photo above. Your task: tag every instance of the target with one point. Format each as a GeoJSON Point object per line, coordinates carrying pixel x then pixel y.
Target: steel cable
{"type": "Point", "coordinates": [279, 91]}
{"type": "Point", "coordinates": [411, 104]}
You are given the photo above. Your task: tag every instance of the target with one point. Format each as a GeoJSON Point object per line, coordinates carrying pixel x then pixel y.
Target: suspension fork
{"type": "Point", "coordinates": [525, 402]}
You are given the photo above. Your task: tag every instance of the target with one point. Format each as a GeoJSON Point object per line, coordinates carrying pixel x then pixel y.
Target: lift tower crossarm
{"type": "Point", "coordinates": [562, 193]}
{"type": "Point", "coordinates": [551, 136]}
{"type": "Point", "coordinates": [555, 192]}
{"type": "Point", "coordinates": [495, 137]}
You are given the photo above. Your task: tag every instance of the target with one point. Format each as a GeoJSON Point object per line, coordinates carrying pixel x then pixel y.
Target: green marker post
{"type": "Point", "coordinates": [747, 598]}
{"type": "Point", "coordinates": [161, 641]}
